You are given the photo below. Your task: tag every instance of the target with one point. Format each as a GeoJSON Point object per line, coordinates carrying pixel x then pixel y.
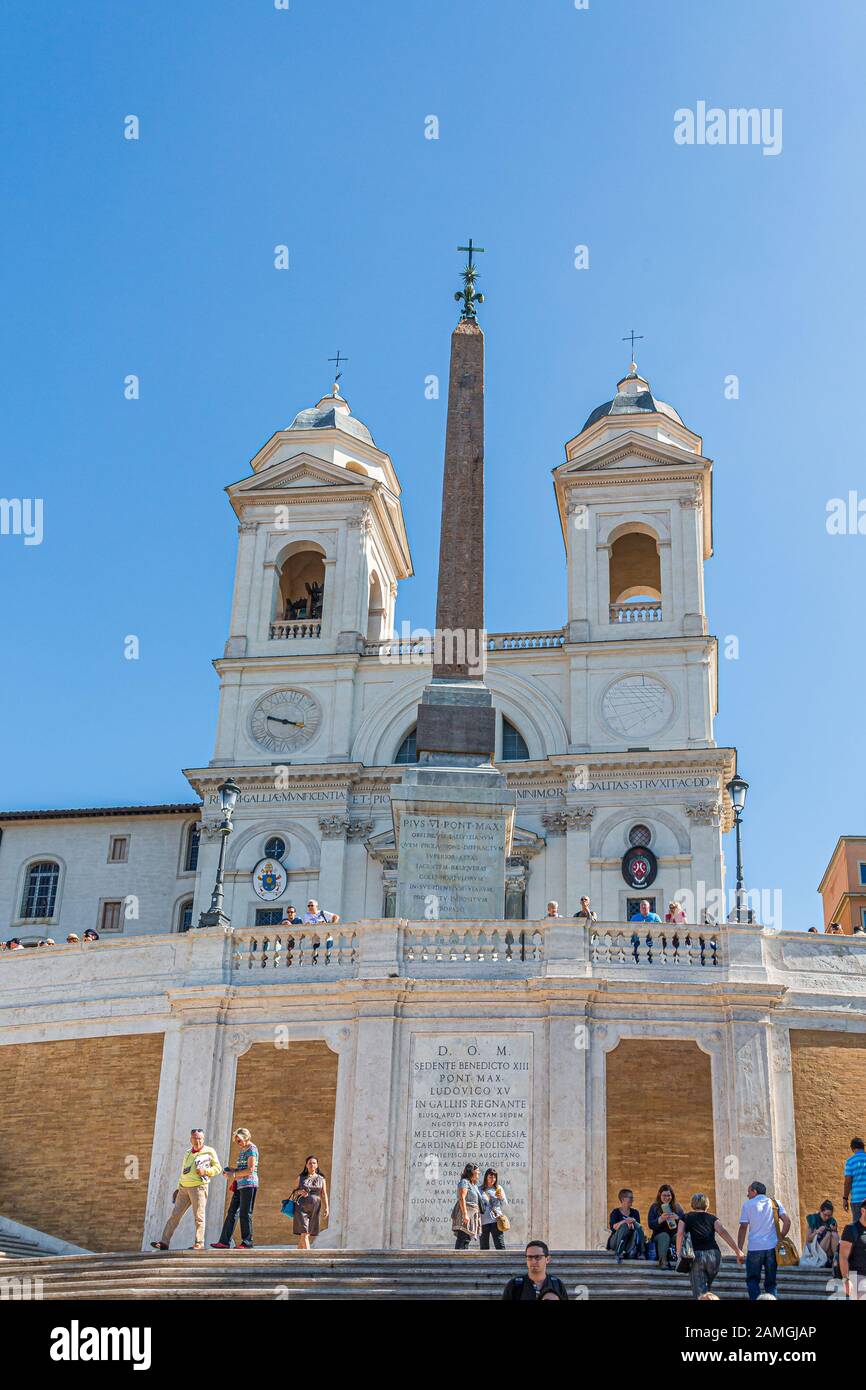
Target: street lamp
{"type": "Point", "coordinates": [215, 917]}
{"type": "Point", "coordinates": [737, 789]}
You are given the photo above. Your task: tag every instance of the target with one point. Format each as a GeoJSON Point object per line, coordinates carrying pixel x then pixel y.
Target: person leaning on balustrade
{"type": "Point", "coordinates": [585, 912]}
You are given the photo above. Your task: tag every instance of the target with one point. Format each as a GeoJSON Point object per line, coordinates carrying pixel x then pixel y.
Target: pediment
{"type": "Point", "coordinates": [301, 472]}
{"type": "Point", "coordinates": [629, 451]}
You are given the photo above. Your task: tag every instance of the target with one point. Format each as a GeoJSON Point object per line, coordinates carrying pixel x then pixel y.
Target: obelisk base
{"type": "Point", "coordinates": [453, 828]}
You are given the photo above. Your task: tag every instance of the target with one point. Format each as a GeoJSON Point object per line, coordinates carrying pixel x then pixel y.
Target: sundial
{"type": "Point", "coordinates": [636, 705]}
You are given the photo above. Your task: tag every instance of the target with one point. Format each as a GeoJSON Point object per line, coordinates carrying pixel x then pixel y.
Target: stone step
{"type": "Point", "coordinates": [330, 1274]}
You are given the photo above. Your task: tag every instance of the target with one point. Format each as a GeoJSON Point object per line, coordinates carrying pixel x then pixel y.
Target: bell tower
{"type": "Point", "coordinates": [635, 499]}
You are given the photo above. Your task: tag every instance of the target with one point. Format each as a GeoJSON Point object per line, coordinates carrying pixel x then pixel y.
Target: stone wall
{"type": "Point", "coordinates": [659, 1121]}
{"type": "Point", "coordinates": [77, 1117]}
{"type": "Point", "coordinates": [286, 1097]}
{"type": "Point", "coordinates": [829, 1075]}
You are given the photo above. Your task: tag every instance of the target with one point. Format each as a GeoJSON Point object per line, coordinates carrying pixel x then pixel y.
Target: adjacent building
{"type": "Point", "coordinates": [843, 887]}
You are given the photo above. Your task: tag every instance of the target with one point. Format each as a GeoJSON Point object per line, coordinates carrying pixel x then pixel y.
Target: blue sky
{"type": "Point", "coordinates": [306, 127]}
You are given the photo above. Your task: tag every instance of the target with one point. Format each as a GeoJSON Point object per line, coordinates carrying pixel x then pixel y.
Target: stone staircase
{"type": "Point", "coordinates": [278, 1273]}
{"type": "Point", "coordinates": [16, 1247]}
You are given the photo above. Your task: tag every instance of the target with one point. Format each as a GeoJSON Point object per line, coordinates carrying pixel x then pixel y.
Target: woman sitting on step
{"type": "Point", "coordinates": [663, 1217]}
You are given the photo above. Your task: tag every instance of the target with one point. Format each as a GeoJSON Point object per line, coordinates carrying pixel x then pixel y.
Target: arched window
{"type": "Point", "coordinates": [190, 857]}
{"type": "Point", "coordinates": [514, 747]}
{"type": "Point", "coordinates": [275, 847]}
{"type": "Point", "coordinates": [184, 915]}
{"type": "Point", "coordinates": [407, 752]}
{"type": "Point", "coordinates": [635, 578]}
{"type": "Point", "coordinates": [301, 594]}
{"type": "Point", "coordinates": [40, 890]}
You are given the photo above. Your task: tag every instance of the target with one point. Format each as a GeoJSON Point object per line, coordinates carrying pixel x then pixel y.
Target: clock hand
{"type": "Point", "coordinates": [295, 723]}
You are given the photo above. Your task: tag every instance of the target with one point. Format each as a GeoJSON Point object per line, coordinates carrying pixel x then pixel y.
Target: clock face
{"type": "Point", "coordinates": [637, 707]}
{"type": "Point", "coordinates": [285, 720]}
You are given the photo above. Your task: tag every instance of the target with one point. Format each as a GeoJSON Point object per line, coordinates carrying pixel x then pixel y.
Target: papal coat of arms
{"type": "Point", "coordinates": [269, 879]}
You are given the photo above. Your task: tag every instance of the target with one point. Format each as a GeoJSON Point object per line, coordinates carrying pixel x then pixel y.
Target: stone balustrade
{"type": "Point", "coordinates": [649, 944]}
{"type": "Point", "coordinates": [486, 944]}
{"type": "Point", "coordinates": [419, 649]}
{"type": "Point", "coordinates": [635, 613]}
{"type": "Point", "coordinates": [255, 951]}
{"type": "Point", "coordinates": [386, 948]}
{"type": "Point", "coordinates": [295, 628]}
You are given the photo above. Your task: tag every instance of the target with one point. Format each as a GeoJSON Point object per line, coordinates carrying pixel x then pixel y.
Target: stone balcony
{"type": "Point", "coordinates": [64, 980]}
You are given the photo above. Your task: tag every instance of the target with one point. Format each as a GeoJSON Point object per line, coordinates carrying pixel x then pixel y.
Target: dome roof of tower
{"type": "Point", "coordinates": [331, 413]}
{"type": "Point", "coordinates": [633, 397]}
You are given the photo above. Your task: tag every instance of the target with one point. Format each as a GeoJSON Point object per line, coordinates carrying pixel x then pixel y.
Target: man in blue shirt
{"type": "Point", "coordinates": [643, 913]}
{"type": "Point", "coordinates": [855, 1180]}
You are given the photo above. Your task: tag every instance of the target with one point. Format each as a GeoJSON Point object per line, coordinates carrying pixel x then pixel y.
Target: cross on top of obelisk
{"type": "Point", "coordinates": [469, 294]}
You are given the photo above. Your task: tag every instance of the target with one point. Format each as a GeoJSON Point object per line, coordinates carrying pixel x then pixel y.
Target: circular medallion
{"type": "Point", "coordinates": [636, 707]}
{"type": "Point", "coordinates": [284, 720]}
{"type": "Point", "coordinates": [639, 867]}
{"type": "Point", "coordinates": [269, 880]}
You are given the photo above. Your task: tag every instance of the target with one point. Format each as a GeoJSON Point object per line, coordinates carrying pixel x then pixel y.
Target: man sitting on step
{"type": "Point", "coordinates": [626, 1238]}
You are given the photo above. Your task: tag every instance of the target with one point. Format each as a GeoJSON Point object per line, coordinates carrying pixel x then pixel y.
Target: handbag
{"type": "Point", "coordinates": [502, 1222]}
{"type": "Point", "coordinates": [813, 1256]}
{"type": "Point", "coordinates": [288, 1207]}
{"type": "Point", "coordinates": [786, 1250]}
{"type": "Point", "coordinates": [687, 1255]}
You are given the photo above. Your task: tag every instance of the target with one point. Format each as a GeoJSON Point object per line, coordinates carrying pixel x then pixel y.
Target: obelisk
{"type": "Point", "coordinates": [453, 814]}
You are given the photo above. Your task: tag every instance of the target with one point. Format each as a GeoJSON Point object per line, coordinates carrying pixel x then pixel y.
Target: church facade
{"type": "Point", "coordinates": [574, 1057]}
{"type": "Point", "coordinates": [604, 726]}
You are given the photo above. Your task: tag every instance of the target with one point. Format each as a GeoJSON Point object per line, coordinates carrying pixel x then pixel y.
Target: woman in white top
{"type": "Point", "coordinates": [493, 1200]}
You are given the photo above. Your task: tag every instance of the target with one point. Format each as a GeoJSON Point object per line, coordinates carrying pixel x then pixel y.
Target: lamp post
{"type": "Point", "coordinates": [215, 917]}
{"type": "Point", "coordinates": [737, 789]}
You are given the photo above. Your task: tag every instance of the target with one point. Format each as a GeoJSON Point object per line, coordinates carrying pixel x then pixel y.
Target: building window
{"type": "Point", "coordinates": [407, 752]}
{"type": "Point", "coordinates": [514, 747]}
{"type": "Point", "coordinates": [184, 915]}
{"type": "Point", "coordinates": [40, 890]}
{"type": "Point", "coordinates": [118, 849]}
{"type": "Point", "coordinates": [269, 916]}
{"type": "Point", "coordinates": [110, 917]}
{"type": "Point", "coordinates": [633, 905]}
{"type": "Point", "coordinates": [862, 868]}
{"type": "Point", "coordinates": [190, 862]}
{"type": "Point", "coordinates": [639, 835]}
{"type": "Point", "coordinates": [275, 848]}
{"type": "Point", "coordinates": [389, 898]}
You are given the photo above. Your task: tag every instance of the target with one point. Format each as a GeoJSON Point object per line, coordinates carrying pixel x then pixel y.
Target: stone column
{"type": "Point", "coordinates": [370, 1140]}
{"type": "Point", "coordinates": [190, 1096]}
{"type": "Point", "coordinates": [784, 1131]}
{"type": "Point", "coordinates": [602, 572]}
{"type": "Point", "coordinates": [577, 548]}
{"type": "Point", "coordinates": [578, 821]}
{"type": "Point", "coordinates": [750, 1079]}
{"type": "Point", "coordinates": [705, 845]}
{"type": "Point", "coordinates": [554, 859]}
{"type": "Point", "coordinates": [567, 1099]}
{"type": "Point", "coordinates": [355, 872]}
{"type": "Point", "coordinates": [331, 863]}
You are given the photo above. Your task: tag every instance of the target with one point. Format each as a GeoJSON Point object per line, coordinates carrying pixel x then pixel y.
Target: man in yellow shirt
{"type": "Point", "coordinates": [200, 1164]}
